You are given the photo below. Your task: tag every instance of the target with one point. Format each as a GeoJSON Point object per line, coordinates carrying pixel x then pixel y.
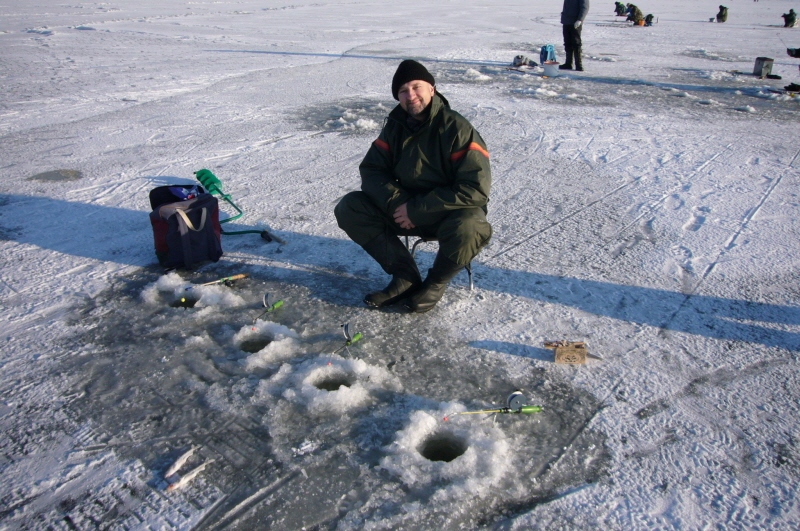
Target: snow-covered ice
{"type": "Point", "coordinates": [647, 206]}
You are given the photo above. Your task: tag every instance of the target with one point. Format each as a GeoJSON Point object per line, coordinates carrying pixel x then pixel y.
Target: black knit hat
{"type": "Point", "coordinates": [409, 70]}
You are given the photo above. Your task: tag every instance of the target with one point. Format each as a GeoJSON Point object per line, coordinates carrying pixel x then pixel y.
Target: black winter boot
{"type": "Point", "coordinates": [578, 60]}
{"type": "Point", "coordinates": [567, 61]}
{"type": "Point", "coordinates": [433, 288]}
{"type": "Point", "coordinates": [395, 259]}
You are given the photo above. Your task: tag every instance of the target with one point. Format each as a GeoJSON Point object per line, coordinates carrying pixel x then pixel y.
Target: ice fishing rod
{"type": "Point", "coordinates": [225, 280]}
{"type": "Point", "coordinates": [515, 404]}
{"type": "Point", "coordinates": [269, 307]}
{"type": "Point", "coordinates": [349, 340]}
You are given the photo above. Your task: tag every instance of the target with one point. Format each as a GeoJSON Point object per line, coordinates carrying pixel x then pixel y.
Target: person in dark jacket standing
{"type": "Point", "coordinates": [572, 16]}
{"type": "Point", "coordinates": [427, 174]}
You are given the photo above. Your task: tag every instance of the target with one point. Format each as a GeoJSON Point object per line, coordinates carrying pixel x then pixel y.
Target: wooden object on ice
{"type": "Point", "coordinates": [571, 352]}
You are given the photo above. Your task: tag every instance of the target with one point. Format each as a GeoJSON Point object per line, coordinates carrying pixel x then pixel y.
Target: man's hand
{"type": "Point", "coordinates": [578, 24]}
{"type": "Point", "coordinates": [401, 217]}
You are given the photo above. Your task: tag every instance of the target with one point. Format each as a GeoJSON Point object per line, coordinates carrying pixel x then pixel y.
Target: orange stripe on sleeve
{"type": "Point", "coordinates": [458, 155]}
{"type": "Point", "coordinates": [382, 145]}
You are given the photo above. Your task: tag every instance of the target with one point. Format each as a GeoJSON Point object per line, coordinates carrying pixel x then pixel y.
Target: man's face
{"type": "Point", "coordinates": [415, 96]}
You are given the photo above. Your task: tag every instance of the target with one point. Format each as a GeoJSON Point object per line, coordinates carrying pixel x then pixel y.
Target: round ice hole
{"type": "Point", "coordinates": [254, 345]}
{"type": "Point", "coordinates": [184, 302]}
{"type": "Point", "coordinates": [442, 447]}
{"type": "Point", "coordinates": [332, 382]}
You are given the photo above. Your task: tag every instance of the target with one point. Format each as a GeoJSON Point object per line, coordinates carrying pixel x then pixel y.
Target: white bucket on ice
{"type": "Point", "coordinates": [550, 68]}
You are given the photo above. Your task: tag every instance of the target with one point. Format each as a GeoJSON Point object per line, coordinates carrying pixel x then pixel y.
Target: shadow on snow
{"type": "Point", "coordinates": [332, 270]}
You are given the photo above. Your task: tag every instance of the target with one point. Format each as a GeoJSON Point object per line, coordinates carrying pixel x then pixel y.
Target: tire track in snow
{"type": "Point", "coordinates": [616, 162]}
{"type": "Point", "coordinates": [652, 207]}
{"type": "Point", "coordinates": [727, 246]}
{"type": "Point", "coordinates": [794, 159]}
{"type": "Point", "coordinates": [214, 521]}
{"type": "Point", "coordinates": [564, 218]}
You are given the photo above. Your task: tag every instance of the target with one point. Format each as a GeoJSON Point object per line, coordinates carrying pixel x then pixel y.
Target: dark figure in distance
{"type": "Point", "coordinates": [789, 19]}
{"type": "Point", "coordinates": [572, 16]}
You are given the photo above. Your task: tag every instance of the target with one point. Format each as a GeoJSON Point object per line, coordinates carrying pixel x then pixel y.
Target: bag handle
{"type": "Point", "coordinates": [189, 222]}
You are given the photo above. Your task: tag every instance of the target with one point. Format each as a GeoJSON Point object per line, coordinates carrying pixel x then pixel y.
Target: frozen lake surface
{"type": "Point", "coordinates": [647, 206]}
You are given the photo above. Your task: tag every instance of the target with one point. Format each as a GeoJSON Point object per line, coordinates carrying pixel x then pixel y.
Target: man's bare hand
{"type": "Point", "coordinates": [401, 217]}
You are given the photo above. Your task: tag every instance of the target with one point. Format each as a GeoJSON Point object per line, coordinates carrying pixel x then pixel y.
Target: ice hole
{"type": "Point", "coordinates": [442, 447]}
{"type": "Point", "coordinates": [185, 301]}
{"type": "Point", "coordinates": [255, 344]}
{"type": "Point", "coordinates": [57, 175]}
{"type": "Point", "coordinates": [332, 382]}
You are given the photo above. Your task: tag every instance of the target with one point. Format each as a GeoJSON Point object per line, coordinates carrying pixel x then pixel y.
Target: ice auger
{"type": "Point", "coordinates": [214, 187]}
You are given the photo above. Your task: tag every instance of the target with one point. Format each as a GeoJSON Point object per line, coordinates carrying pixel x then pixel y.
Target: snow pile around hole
{"type": "Point", "coordinates": [746, 108]}
{"type": "Point", "coordinates": [715, 75]}
{"type": "Point", "coordinates": [342, 386]}
{"type": "Point", "coordinates": [485, 461]}
{"type": "Point", "coordinates": [351, 123]}
{"type": "Point", "coordinates": [777, 97]}
{"type": "Point", "coordinates": [281, 344]}
{"type": "Point", "coordinates": [475, 75]}
{"type": "Point", "coordinates": [540, 92]}
{"type": "Point", "coordinates": [173, 285]}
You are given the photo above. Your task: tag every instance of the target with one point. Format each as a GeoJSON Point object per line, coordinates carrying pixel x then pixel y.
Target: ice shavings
{"type": "Point", "coordinates": [485, 460]}
{"type": "Point", "coordinates": [218, 296]}
{"type": "Point", "coordinates": [280, 344]}
{"type": "Point", "coordinates": [475, 75]}
{"type": "Point", "coordinates": [540, 92]}
{"type": "Point", "coordinates": [330, 386]}
{"type": "Point", "coordinates": [171, 288]}
{"type": "Point", "coordinates": [169, 283]}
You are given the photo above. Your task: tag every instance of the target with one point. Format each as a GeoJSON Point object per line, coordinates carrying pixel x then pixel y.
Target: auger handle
{"type": "Point", "coordinates": [210, 181]}
{"type": "Point", "coordinates": [356, 337]}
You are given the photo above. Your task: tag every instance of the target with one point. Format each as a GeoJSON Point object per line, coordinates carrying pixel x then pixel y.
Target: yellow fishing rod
{"type": "Point", "coordinates": [515, 404]}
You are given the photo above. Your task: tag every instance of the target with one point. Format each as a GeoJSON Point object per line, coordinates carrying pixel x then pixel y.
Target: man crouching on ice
{"type": "Point", "coordinates": [426, 175]}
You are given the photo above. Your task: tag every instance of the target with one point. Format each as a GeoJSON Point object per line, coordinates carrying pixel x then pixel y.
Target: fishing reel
{"type": "Point", "coordinates": [349, 339]}
{"type": "Point", "coordinates": [516, 403]}
{"type": "Point", "coordinates": [265, 303]}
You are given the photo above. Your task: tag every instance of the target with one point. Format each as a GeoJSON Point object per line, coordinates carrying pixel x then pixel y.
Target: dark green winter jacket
{"type": "Point", "coordinates": [441, 166]}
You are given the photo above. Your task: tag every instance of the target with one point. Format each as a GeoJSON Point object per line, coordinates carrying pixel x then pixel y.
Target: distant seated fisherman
{"type": "Point", "coordinates": [619, 9]}
{"type": "Point", "coordinates": [426, 175]}
{"type": "Point", "coordinates": [722, 16]}
{"type": "Point", "coordinates": [789, 19]}
{"type": "Point", "coordinates": [634, 13]}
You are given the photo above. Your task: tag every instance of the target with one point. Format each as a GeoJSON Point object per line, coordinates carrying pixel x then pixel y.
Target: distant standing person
{"type": "Point", "coordinates": [722, 16]}
{"type": "Point", "coordinates": [789, 19]}
{"type": "Point", "coordinates": [572, 16]}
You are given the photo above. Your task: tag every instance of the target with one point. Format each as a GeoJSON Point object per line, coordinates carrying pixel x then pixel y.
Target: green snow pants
{"type": "Point", "coordinates": [462, 233]}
